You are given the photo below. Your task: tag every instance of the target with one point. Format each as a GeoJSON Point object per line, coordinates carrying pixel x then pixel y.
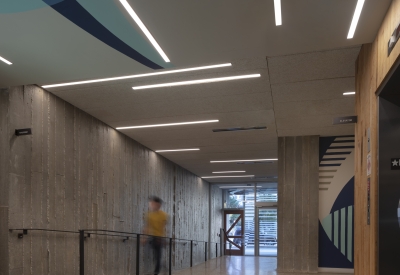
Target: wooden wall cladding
{"type": "Point", "coordinates": [373, 65]}
{"type": "Point", "coordinates": [385, 62]}
{"type": "Point", "coordinates": [75, 172]}
{"type": "Point", "coordinates": [365, 236]}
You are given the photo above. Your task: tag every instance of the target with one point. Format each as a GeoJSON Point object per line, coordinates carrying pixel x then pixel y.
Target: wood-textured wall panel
{"type": "Point", "coordinates": [385, 62]}
{"type": "Point", "coordinates": [75, 172]}
{"type": "Point", "coordinates": [298, 204]}
{"type": "Point", "coordinates": [365, 236]}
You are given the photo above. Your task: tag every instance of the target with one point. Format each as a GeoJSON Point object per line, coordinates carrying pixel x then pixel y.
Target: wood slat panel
{"type": "Point", "coordinates": [365, 236]}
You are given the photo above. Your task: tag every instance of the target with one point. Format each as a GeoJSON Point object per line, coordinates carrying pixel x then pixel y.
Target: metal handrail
{"type": "Point", "coordinates": [113, 233]}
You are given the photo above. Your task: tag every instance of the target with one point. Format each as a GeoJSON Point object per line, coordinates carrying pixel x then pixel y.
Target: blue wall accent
{"type": "Point", "coordinates": [336, 230]}
{"type": "Point", "coordinates": [329, 255]}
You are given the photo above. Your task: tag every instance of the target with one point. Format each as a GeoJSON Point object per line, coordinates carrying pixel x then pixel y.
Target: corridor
{"type": "Point", "coordinates": [237, 265]}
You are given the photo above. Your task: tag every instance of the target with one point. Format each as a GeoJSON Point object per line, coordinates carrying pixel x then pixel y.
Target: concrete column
{"type": "Point", "coordinates": [298, 204]}
{"type": "Point", "coordinates": [4, 186]}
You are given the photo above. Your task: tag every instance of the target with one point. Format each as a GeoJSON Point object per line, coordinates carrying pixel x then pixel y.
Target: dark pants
{"type": "Point", "coordinates": [156, 245]}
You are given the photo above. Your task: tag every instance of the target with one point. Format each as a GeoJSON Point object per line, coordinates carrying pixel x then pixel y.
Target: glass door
{"type": "Point", "coordinates": [266, 243]}
{"type": "Point", "coordinates": [233, 230]}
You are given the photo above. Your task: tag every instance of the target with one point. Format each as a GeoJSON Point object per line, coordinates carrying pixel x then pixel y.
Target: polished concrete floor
{"type": "Point", "coordinates": [237, 265]}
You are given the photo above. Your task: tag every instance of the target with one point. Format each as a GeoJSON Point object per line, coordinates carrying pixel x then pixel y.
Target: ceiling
{"type": "Point", "coordinates": [305, 65]}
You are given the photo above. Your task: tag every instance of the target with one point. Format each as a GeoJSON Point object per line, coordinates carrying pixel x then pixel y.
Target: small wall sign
{"type": "Point", "coordinates": [345, 120]}
{"type": "Point", "coordinates": [369, 165]}
{"type": "Point", "coordinates": [393, 39]}
{"type": "Point", "coordinates": [395, 164]}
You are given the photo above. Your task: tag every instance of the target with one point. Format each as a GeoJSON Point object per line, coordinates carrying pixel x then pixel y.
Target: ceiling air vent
{"type": "Point", "coordinates": [240, 129]}
{"type": "Point", "coordinates": [264, 177]}
{"type": "Point", "coordinates": [254, 162]}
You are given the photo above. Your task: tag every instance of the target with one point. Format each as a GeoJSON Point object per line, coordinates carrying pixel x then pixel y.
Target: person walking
{"type": "Point", "coordinates": [155, 226]}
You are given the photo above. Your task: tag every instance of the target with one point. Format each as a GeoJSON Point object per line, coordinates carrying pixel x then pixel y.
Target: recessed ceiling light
{"type": "Point", "coordinates": [168, 124]}
{"type": "Point", "coordinates": [227, 172]}
{"type": "Point", "coordinates": [139, 22]}
{"type": "Point", "coordinates": [248, 160]}
{"type": "Point", "coordinates": [178, 150]}
{"type": "Point", "coordinates": [5, 60]}
{"type": "Point", "coordinates": [138, 75]}
{"type": "Point", "coordinates": [349, 93]}
{"type": "Point", "coordinates": [215, 177]}
{"type": "Point", "coordinates": [356, 18]}
{"type": "Point", "coordinates": [278, 12]}
{"type": "Point", "coordinates": [199, 81]}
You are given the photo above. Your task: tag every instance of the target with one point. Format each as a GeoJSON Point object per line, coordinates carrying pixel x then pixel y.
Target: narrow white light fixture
{"type": "Point", "coordinates": [178, 150]}
{"type": "Point", "coordinates": [278, 12]}
{"type": "Point", "coordinates": [5, 60]}
{"type": "Point", "coordinates": [356, 18]}
{"type": "Point", "coordinates": [349, 93]}
{"type": "Point", "coordinates": [138, 75]}
{"type": "Point", "coordinates": [215, 177]}
{"type": "Point", "coordinates": [139, 22]}
{"type": "Point", "coordinates": [247, 160]}
{"type": "Point", "coordinates": [227, 172]}
{"type": "Point", "coordinates": [199, 81]}
{"type": "Point", "coordinates": [167, 124]}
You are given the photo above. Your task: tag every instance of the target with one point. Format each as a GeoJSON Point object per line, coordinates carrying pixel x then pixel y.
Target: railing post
{"type": "Point", "coordinates": [191, 253]}
{"type": "Point", "coordinates": [81, 252]}
{"type": "Point", "coordinates": [205, 252]}
{"type": "Point", "coordinates": [137, 254]}
{"type": "Point", "coordinates": [170, 256]}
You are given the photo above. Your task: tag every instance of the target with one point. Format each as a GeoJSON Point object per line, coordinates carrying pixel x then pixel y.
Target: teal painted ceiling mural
{"type": "Point", "coordinates": [103, 19]}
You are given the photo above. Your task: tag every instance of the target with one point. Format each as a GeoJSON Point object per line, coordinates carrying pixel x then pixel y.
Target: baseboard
{"type": "Point", "coordinates": [336, 270]}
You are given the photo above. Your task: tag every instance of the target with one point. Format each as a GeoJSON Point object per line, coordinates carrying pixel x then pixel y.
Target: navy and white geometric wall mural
{"type": "Point", "coordinates": [336, 199]}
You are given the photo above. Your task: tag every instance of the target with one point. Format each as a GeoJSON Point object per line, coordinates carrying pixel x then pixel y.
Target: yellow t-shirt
{"type": "Point", "coordinates": [156, 221]}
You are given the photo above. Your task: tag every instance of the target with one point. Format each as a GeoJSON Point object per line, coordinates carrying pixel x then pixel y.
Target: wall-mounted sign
{"type": "Point", "coordinates": [23, 132]}
{"type": "Point", "coordinates": [369, 201]}
{"type": "Point", "coordinates": [345, 120]}
{"type": "Point", "coordinates": [395, 164]}
{"type": "Point", "coordinates": [369, 165]}
{"type": "Point", "coordinates": [393, 39]}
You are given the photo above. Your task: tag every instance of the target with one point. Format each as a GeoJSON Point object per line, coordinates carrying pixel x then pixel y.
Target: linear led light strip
{"type": "Point", "coordinates": [356, 18]}
{"type": "Point", "coordinates": [248, 160]}
{"type": "Point", "coordinates": [178, 150]}
{"type": "Point", "coordinates": [214, 177]}
{"type": "Point", "coordinates": [199, 81]}
{"type": "Point", "coordinates": [349, 93]}
{"type": "Point", "coordinates": [168, 124]}
{"type": "Point", "coordinates": [5, 60]}
{"type": "Point", "coordinates": [278, 12]}
{"type": "Point", "coordinates": [138, 75]}
{"type": "Point", "coordinates": [139, 22]}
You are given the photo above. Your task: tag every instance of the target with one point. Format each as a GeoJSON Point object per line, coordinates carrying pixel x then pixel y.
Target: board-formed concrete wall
{"type": "Point", "coordinates": [75, 172]}
{"type": "Point", "coordinates": [298, 193]}
{"type": "Point", "coordinates": [4, 160]}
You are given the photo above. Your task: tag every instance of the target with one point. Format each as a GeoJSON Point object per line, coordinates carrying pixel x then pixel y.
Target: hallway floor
{"type": "Point", "coordinates": [237, 265]}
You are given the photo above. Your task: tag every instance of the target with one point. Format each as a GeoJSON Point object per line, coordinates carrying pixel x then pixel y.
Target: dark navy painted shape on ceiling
{"type": "Point", "coordinates": [74, 12]}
